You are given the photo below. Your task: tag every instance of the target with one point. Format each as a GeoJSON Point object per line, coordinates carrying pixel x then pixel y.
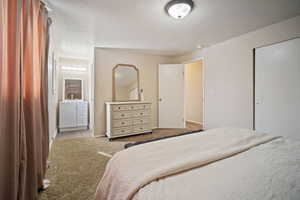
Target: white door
{"type": "Point", "coordinates": [277, 89]}
{"type": "Point", "coordinates": [171, 96]}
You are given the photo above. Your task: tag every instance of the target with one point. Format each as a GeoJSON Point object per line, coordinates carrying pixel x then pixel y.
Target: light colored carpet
{"type": "Point", "coordinates": [77, 164]}
{"type": "Point", "coordinates": [76, 167]}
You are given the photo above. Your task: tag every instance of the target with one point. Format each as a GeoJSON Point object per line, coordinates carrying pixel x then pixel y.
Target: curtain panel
{"type": "Point", "coordinates": [24, 140]}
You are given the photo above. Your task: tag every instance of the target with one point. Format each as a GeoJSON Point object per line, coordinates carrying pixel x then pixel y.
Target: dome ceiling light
{"type": "Point", "coordinates": [179, 9]}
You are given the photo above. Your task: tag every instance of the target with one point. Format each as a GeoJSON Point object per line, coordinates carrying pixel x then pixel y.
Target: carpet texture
{"type": "Point", "coordinates": [77, 164]}
{"type": "Point", "coordinates": [76, 168]}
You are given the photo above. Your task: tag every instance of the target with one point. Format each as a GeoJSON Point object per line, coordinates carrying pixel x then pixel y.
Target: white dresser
{"type": "Point", "coordinates": [73, 115]}
{"type": "Point", "coordinates": [127, 118]}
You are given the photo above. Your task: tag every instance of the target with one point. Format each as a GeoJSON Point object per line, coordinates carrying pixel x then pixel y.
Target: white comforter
{"type": "Point", "coordinates": [269, 171]}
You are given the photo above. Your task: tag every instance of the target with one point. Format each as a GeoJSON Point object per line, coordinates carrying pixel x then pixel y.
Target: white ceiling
{"type": "Point", "coordinates": [144, 25]}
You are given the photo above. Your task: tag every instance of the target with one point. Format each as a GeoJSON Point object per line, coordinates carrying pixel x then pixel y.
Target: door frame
{"type": "Point", "coordinates": [202, 58]}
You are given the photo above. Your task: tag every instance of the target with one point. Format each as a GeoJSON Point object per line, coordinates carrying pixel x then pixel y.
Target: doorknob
{"type": "Point", "coordinates": [160, 99]}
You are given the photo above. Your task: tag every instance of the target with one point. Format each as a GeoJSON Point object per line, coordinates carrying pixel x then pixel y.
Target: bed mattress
{"type": "Point", "coordinates": [222, 164]}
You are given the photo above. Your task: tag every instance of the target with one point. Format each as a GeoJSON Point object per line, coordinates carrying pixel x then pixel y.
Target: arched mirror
{"type": "Point", "coordinates": [126, 83]}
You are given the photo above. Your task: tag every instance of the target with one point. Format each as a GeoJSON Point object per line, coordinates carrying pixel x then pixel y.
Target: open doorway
{"type": "Point", "coordinates": [181, 96]}
{"type": "Point", "coordinates": [193, 102]}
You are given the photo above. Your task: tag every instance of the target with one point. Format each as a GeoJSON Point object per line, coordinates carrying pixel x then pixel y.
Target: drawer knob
{"type": "Point", "coordinates": [123, 123]}
{"type": "Point", "coordinates": [119, 108]}
{"type": "Point", "coordinates": [122, 115]}
{"type": "Point", "coordinates": [141, 113]}
{"type": "Point", "coordinates": [122, 131]}
{"type": "Point", "coordinates": [141, 120]}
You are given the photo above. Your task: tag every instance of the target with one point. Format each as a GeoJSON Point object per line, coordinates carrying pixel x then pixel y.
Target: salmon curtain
{"type": "Point", "coordinates": [24, 134]}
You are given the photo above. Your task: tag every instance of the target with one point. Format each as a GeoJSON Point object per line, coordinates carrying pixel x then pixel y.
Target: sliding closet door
{"type": "Point", "coordinates": [277, 89]}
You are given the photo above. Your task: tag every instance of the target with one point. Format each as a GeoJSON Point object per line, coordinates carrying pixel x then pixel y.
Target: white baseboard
{"type": "Point", "coordinates": [99, 136]}
{"type": "Point", "coordinates": [81, 128]}
{"type": "Point", "coordinates": [55, 134]}
{"type": "Point", "coordinates": [194, 122]}
{"type": "Point", "coordinates": [52, 139]}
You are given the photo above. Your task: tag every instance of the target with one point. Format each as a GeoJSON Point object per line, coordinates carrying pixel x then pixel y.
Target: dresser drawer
{"type": "Point", "coordinates": [120, 107]}
{"type": "Point", "coordinates": [140, 113]}
{"type": "Point", "coordinates": [146, 106]}
{"type": "Point", "coordinates": [132, 107]}
{"type": "Point", "coordinates": [141, 128]}
{"type": "Point", "coordinates": [137, 121]}
{"type": "Point", "coordinates": [121, 123]}
{"type": "Point", "coordinates": [140, 107]}
{"type": "Point", "coordinates": [121, 115]}
{"type": "Point", "coordinates": [122, 131]}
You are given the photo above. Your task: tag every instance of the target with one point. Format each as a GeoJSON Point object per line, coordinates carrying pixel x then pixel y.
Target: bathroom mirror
{"type": "Point", "coordinates": [72, 89]}
{"type": "Point", "coordinates": [126, 83]}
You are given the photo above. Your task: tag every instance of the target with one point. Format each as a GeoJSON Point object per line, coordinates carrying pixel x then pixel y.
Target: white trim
{"type": "Point", "coordinates": [80, 128]}
{"type": "Point", "coordinates": [100, 136]}
{"type": "Point", "coordinates": [184, 95]}
{"type": "Point", "coordinates": [50, 144]}
{"type": "Point", "coordinates": [92, 92]}
{"type": "Point", "coordinates": [55, 134]}
{"type": "Point", "coordinates": [52, 139]}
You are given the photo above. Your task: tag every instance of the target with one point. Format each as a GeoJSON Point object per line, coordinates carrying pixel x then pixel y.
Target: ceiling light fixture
{"type": "Point", "coordinates": [179, 9]}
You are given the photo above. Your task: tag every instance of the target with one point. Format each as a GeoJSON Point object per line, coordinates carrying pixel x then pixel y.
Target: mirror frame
{"type": "Point", "coordinates": [114, 84]}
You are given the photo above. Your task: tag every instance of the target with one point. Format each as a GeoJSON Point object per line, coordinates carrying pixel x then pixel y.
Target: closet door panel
{"type": "Point", "coordinates": [277, 89]}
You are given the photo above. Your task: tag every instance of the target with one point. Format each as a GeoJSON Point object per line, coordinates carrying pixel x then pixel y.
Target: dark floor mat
{"type": "Point", "coordinates": [153, 140]}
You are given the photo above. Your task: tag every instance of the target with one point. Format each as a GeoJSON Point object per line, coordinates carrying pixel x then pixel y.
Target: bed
{"type": "Point", "coordinates": [224, 163]}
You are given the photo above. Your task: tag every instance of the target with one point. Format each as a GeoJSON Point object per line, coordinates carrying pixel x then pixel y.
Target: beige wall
{"type": "Point", "coordinates": [228, 74]}
{"type": "Point", "coordinates": [193, 92]}
{"type": "Point", "coordinates": [106, 60]}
